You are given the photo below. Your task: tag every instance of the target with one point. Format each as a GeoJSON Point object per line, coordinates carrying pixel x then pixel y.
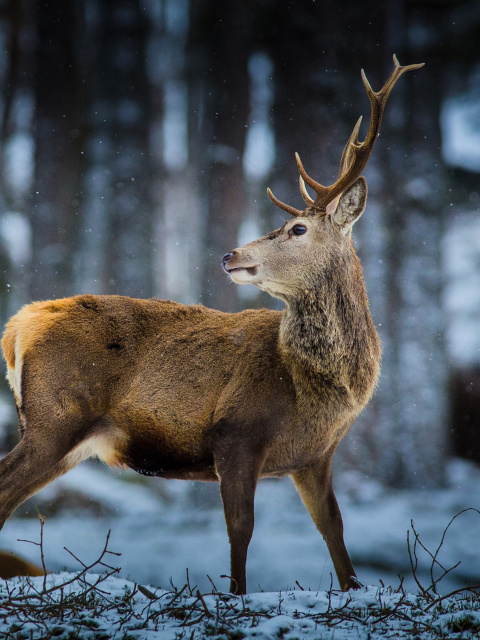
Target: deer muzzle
{"type": "Point", "coordinates": [239, 269]}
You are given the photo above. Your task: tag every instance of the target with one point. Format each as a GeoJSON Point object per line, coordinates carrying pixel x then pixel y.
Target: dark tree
{"type": "Point", "coordinates": [59, 132]}
{"type": "Point", "coordinates": [118, 221]}
{"type": "Point", "coordinates": [220, 40]}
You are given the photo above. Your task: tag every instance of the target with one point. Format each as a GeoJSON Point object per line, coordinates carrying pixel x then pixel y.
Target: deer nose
{"type": "Point", "coordinates": [226, 259]}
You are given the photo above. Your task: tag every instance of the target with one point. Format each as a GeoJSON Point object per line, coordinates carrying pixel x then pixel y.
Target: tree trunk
{"type": "Point", "coordinates": [118, 237]}
{"type": "Point", "coordinates": [220, 46]}
{"type": "Point", "coordinates": [58, 159]}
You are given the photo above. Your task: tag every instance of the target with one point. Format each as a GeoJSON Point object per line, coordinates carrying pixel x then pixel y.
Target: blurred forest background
{"type": "Point", "coordinates": [137, 138]}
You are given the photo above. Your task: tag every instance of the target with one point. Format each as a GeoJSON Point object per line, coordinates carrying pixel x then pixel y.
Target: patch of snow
{"type": "Point", "coordinates": [174, 128]}
{"type": "Point", "coordinates": [259, 152]}
{"type": "Point", "coordinates": [461, 251]}
{"type": "Point", "coordinates": [259, 155]}
{"type": "Point", "coordinates": [460, 124]}
{"type": "Point", "coordinates": [19, 162]}
{"type": "Point", "coordinates": [15, 232]}
{"type": "Point", "coordinates": [121, 610]}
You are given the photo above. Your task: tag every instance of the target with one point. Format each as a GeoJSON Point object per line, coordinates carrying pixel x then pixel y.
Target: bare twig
{"type": "Point", "coordinates": [208, 613]}
{"type": "Point", "coordinates": [42, 556]}
{"type": "Point", "coordinates": [414, 562]}
{"type": "Point", "coordinates": [473, 588]}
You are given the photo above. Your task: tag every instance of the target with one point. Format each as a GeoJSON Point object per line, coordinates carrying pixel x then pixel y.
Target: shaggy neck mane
{"type": "Point", "coordinates": [327, 333]}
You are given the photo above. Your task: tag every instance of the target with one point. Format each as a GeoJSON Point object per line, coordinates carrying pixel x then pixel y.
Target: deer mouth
{"type": "Point", "coordinates": [250, 270]}
{"type": "Point", "coordinates": [242, 275]}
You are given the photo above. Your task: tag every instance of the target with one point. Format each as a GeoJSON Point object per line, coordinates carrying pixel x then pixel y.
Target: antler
{"type": "Point", "coordinates": [282, 205]}
{"type": "Point", "coordinates": [355, 155]}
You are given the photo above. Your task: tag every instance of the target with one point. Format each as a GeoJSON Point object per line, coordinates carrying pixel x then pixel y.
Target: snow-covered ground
{"type": "Point", "coordinates": [162, 528]}
{"type": "Point", "coordinates": [94, 607]}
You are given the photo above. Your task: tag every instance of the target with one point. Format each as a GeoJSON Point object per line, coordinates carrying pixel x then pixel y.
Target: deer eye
{"type": "Point", "coordinates": [299, 229]}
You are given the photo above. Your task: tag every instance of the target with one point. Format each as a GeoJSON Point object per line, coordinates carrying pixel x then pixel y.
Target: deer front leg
{"type": "Point", "coordinates": [316, 490]}
{"type": "Point", "coordinates": [238, 472]}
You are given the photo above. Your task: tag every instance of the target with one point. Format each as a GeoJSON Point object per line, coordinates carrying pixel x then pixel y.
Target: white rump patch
{"type": "Point", "coordinates": [14, 376]}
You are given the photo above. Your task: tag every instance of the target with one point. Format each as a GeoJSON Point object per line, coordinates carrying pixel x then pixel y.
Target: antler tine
{"type": "Point", "coordinates": [379, 99]}
{"type": "Point", "coordinates": [286, 207]}
{"type": "Point", "coordinates": [398, 70]}
{"type": "Point", "coordinates": [356, 154]}
{"type": "Point", "coordinates": [303, 191]}
{"type": "Point", "coordinates": [345, 162]}
{"type": "Point", "coordinates": [347, 151]}
{"type": "Point", "coordinates": [310, 181]}
{"type": "Point", "coordinates": [316, 186]}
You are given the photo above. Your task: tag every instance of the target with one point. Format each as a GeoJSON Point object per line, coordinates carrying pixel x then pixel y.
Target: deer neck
{"type": "Point", "coordinates": [327, 334]}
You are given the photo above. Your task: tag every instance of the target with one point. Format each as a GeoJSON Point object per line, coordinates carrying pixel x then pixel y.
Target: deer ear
{"type": "Point", "coordinates": [351, 205]}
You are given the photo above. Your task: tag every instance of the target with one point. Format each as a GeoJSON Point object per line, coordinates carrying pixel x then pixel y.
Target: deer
{"type": "Point", "coordinates": [188, 392]}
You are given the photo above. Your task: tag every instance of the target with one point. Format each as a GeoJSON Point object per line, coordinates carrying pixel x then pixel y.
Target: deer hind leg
{"type": "Point", "coordinates": [58, 427]}
{"type": "Point", "coordinates": [31, 465]}
{"type": "Point", "coordinates": [316, 490]}
{"type": "Point", "coordinates": [45, 454]}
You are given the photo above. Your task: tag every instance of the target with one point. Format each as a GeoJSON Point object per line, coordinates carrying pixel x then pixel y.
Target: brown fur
{"type": "Point", "coordinates": [12, 566]}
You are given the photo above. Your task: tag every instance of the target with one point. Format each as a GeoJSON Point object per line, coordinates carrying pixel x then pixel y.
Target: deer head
{"type": "Point", "coordinates": [286, 261]}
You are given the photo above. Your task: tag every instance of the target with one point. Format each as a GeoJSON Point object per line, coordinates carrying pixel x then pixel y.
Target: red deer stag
{"type": "Point", "coordinates": [188, 392]}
